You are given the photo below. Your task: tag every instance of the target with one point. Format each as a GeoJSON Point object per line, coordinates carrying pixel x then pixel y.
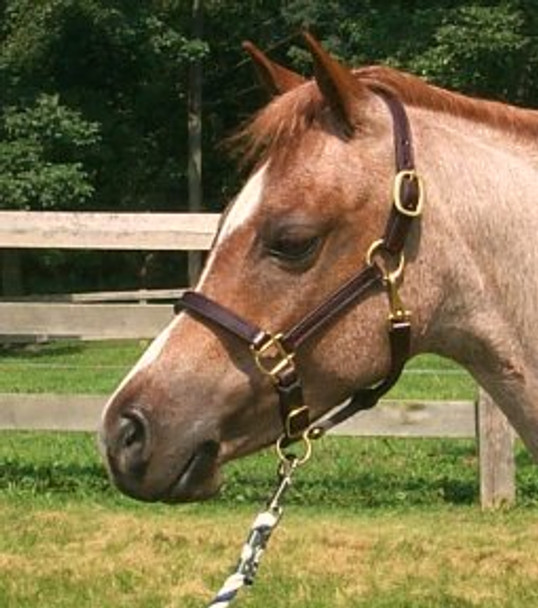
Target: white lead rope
{"type": "Point", "coordinates": [258, 537]}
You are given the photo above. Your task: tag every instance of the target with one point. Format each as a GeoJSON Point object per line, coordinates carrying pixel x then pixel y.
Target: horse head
{"type": "Point", "coordinates": [318, 197]}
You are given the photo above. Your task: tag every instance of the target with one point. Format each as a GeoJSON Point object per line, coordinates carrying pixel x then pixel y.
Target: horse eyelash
{"type": "Point", "coordinates": [310, 246]}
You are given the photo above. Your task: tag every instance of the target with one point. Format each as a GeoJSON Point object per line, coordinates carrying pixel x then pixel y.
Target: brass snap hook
{"type": "Point", "coordinates": [302, 458]}
{"type": "Point", "coordinates": [398, 312]}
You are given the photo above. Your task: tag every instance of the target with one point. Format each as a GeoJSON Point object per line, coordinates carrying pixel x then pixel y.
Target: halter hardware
{"type": "Point", "coordinates": [271, 357]}
{"type": "Point", "coordinates": [398, 312]}
{"type": "Point", "coordinates": [287, 457]}
{"type": "Point", "coordinates": [378, 248]}
{"type": "Point", "coordinates": [391, 279]}
{"type": "Point", "coordinates": [295, 423]}
{"type": "Point", "coordinates": [408, 176]}
{"type": "Point", "coordinates": [274, 354]}
{"type": "Point", "coordinates": [274, 360]}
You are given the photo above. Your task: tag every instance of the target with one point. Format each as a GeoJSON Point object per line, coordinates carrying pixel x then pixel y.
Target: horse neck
{"type": "Point", "coordinates": [479, 235]}
{"type": "Point", "coordinates": [479, 248]}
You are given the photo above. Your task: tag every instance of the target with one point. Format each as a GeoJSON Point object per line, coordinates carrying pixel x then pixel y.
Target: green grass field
{"type": "Point", "coordinates": [97, 367]}
{"type": "Point", "coordinates": [377, 523]}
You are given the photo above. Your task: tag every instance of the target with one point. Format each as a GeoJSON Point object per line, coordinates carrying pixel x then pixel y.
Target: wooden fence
{"type": "Point", "coordinates": [137, 315]}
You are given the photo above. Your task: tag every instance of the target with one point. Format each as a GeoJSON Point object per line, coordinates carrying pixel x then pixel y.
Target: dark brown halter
{"type": "Point", "coordinates": [275, 354]}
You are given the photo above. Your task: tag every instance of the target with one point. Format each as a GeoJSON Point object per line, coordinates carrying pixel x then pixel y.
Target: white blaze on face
{"type": "Point", "coordinates": [242, 209]}
{"type": "Point", "coordinates": [245, 205]}
{"type": "Point", "coordinates": [150, 355]}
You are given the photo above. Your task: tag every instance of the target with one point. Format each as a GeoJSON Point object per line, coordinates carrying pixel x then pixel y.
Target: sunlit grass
{"type": "Point", "coordinates": [98, 367]}
{"type": "Point", "coordinates": [89, 556]}
{"type": "Point", "coordinates": [67, 367]}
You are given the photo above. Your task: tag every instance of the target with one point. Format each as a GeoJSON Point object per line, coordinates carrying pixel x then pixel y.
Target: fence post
{"type": "Point", "coordinates": [496, 454]}
{"type": "Point", "coordinates": [195, 137]}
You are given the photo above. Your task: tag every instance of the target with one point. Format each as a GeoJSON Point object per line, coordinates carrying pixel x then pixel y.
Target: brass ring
{"type": "Point", "coordinates": [300, 460]}
{"type": "Point", "coordinates": [377, 247]}
{"type": "Point", "coordinates": [373, 249]}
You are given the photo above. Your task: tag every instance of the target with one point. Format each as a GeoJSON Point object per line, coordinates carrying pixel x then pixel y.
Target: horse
{"type": "Point", "coordinates": [323, 204]}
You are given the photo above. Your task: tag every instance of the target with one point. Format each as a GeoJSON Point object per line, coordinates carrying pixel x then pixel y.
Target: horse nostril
{"type": "Point", "coordinates": [134, 440]}
{"type": "Point", "coordinates": [131, 431]}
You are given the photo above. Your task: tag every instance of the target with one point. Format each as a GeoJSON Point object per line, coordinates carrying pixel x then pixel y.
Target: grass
{"type": "Point", "coordinates": [97, 368]}
{"type": "Point", "coordinates": [67, 367]}
{"type": "Point", "coordinates": [346, 473]}
{"type": "Point", "coordinates": [87, 556]}
{"type": "Point", "coordinates": [377, 523]}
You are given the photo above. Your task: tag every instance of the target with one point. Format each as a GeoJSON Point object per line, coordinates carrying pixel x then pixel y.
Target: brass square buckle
{"type": "Point", "coordinates": [271, 357]}
{"type": "Point", "coordinates": [410, 175]}
{"type": "Point", "coordinates": [297, 422]}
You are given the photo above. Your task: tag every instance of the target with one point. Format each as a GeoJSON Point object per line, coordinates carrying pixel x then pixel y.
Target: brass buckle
{"type": "Point", "coordinates": [272, 349]}
{"type": "Point", "coordinates": [397, 193]}
{"type": "Point", "coordinates": [297, 422]}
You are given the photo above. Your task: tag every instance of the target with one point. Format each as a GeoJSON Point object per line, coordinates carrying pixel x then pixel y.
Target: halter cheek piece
{"type": "Point", "coordinates": [274, 354]}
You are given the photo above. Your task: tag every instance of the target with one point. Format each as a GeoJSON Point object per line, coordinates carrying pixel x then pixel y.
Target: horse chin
{"type": "Point", "coordinates": [199, 479]}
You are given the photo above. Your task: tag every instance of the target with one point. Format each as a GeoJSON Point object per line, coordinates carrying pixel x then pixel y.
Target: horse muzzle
{"type": "Point", "coordinates": [140, 470]}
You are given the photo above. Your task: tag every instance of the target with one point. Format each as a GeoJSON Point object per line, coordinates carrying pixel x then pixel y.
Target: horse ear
{"type": "Point", "coordinates": [274, 78]}
{"type": "Point", "coordinates": [337, 85]}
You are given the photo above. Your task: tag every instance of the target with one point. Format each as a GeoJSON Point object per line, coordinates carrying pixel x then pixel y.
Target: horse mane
{"type": "Point", "coordinates": [281, 123]}
{"type": "Point", "coordinates": [417, 92]}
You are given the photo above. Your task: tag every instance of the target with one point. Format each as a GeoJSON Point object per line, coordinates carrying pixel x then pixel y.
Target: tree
{"type": "Point", "coordinates": [119, 64]}
{"type": "Point", "coordinates": [41, 156]}
{"type": "Point", "coordinates": [478, 47]}
{"type": "Point", "coordinates": [119, 70]}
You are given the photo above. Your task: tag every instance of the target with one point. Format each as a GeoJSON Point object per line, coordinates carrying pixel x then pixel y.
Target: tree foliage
{"type": "Point", "coordinates": [93, 93]}
{"type": "Point", "coordinates": [42, 156]}
{"type": "Point", "coordinates": [120, 65]}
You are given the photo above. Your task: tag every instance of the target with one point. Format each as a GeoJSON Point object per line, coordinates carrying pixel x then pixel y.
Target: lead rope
{"type": "Point", "coordinates": [262, 528]}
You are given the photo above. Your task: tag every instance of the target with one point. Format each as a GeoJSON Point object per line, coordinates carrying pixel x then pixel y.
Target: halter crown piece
{"type": "Point", "coordinates": [274, 354]}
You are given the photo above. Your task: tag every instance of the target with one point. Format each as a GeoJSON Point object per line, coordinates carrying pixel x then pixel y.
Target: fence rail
{"type": "Point", "coordinates": [86, 230]}
{"type": "Point", "coordinates": [390, 419]}
{"type": "Point", "coordinates": [25, 320]}
{"type": "Point", "coordinates": [139, 296]}
{"type": "Point", "coordinates": [76, 316]}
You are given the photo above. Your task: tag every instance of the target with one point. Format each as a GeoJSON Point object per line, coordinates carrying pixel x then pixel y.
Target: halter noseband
{"type": "Point", "coordinates": [274, 354]}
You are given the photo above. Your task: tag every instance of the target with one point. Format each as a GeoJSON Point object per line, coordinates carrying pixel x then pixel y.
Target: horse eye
{"type": "Point", "coordinates": [293, 248]}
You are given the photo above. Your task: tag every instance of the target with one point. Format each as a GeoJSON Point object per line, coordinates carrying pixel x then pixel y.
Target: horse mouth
{"type": "Point", "coordinates": [199, 479]}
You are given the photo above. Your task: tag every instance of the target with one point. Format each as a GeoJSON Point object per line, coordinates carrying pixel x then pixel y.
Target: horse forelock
{"type": "Point", "coordinates": [277, 128]}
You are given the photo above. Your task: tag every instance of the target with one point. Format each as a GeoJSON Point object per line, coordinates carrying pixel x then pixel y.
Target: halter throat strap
{"type": "Point", "coordinates": [275, 354]}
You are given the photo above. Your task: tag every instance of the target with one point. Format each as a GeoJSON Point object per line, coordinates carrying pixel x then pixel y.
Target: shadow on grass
{"type": "Point", "coordinates": [53, 478]}
{"type": "Point", "coordinates": [359, 491]}
{"type": "Point", "coordinates": [41, 350]}
{"type": "Point", "coordinates": [345, 473]}
{"type": "Point", "coordinates": [364, 490]}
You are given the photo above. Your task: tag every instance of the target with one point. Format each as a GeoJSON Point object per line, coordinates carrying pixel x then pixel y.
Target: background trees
{"type": "Point", "coordinates": [93, 93]}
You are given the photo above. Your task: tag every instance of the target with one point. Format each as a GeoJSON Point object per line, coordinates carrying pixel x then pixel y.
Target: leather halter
{"type": "Point", "coordinates": [275, 354]}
